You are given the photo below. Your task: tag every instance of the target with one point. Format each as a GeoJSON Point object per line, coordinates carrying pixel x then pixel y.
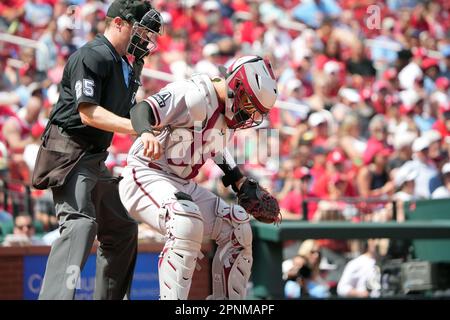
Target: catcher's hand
{"type": "Point", "coordinates": [258, 202]}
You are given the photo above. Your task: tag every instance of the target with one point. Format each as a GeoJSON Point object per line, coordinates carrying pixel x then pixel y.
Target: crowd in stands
{"type": "Point", "coordinates": [363, 116]}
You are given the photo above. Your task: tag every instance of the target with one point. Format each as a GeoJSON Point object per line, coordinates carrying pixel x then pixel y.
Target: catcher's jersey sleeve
{"type": "Point", "coordinates": [179, 104]}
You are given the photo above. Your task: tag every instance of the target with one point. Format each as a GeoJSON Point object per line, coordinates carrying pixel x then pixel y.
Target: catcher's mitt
{"type": "Point", "coordinates": [258, 202]}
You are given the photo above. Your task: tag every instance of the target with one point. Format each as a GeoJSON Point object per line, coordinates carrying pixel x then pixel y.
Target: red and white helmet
{"type": "Point", "coordinates": [252, 91]}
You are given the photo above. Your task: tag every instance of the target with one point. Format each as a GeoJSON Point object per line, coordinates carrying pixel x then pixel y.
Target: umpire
{"type": "Point", "coordinates": [97, 91]}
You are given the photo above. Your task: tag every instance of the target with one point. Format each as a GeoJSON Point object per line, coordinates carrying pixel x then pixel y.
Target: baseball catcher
{"type": "Point", "coordinates": [180, 127]}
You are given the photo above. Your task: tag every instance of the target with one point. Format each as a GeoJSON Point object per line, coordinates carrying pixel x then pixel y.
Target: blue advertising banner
{"type": "Point", "coordinates": [145, 284]}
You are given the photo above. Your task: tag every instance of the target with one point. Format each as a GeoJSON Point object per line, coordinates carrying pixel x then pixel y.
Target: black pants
{"type": "Point", "coordinates": [88, 205]}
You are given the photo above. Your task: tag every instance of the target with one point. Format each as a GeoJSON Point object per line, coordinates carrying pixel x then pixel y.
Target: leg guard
{"type": "Point", "coordinates": [184, 227]}
{"type": "Point", "coordinates": [233, 259]}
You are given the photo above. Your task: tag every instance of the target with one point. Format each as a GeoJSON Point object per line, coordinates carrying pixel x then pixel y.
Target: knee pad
{"type": "Point", "coordinates": [233, 259]}
{"type": "Point", "coordinates": [184, 228]}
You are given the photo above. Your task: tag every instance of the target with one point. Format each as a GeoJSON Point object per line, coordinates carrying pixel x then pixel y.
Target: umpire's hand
{"type": "Point", "coordinates": [152, 147]}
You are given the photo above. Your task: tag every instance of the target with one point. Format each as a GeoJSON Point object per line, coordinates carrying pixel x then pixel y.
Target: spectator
{"type": "Point", "coordinates": [46, 54]}
{"type": "Point", "coordinates": [10, 11]}
{"type": "Point", "coordinates": [443, 123]}
{"type": "Point", "coordinates": [334, 73]}
{"type": "Point", "coordinates": [322, 92]}
{"type": "Point", "coordinates": [412, 72]}
{"type": "Point", "coordinates": [218, 27]}
{"type": "Point", "coordinates": [331, 53]}
{"type": "Point", "coordinates": [299, 69]}
{"type": "Point", "coordinates": [315, 284]}
{"type": "Point", "coordinates": [391, 76]}
{"type": "Point", "coordinates": [426, 169]}
{"type": "Point", "coordinates": [373, 178]}
{"type": "Point", "coordinates": [381, 90]}
{"type": "Point", "coordinates": [31, 150]}
{"type": "Point", "coordinates": [406, 122]}
{"type": "Point", "coordinates": [291, 266]}
{"type": "Point", "coordinates": [319, 124]}
{"type": "Point", "coordinates": [435, 153]}
{"type": "Point", "coordinates": [393, 115]}
{"type": "Point", "coordinates": [423, 120]}
{"type": "Point", "coordinates": [210, 61]}
{"type": "Point", "coordinates": [386, 48]}
{"type": "Point", "coordinates": [4, 169]}
{"type": "Point", "coordinates": [303, 46]}
{"type": "Point", "coordinates": [65, 35]}
{"type": "Point", "coordinates": [226, 8]}
{"type": "Point", "coordinates": [294, 93]}
{"type": "Point", "coordinates": [337, 171]}
{"type": "Point", "coordinates": [292, 204]}
{"type": "Point", "coordinates": [350, 138]}
{"type": "Point", "coordinates": [443, 191]}
{"type": "Point", "coordinates": [17, 134]}
{"type": "Point", "coordinates": [359, 64]}
{"type": "Point", "coordinates": [430, 68]}
{"type": "Point", "coordinates": [5, 216]}
{"type": "Point", "coordinates": [7, 76]}
{"type": "Point", "coordinates": [293, 276]}
{"type": "Point", "coordinates": [402, 149]}
{"type": "Point", "coordinates": [44, 210]}
{"type": "Point", "coordinates": [250, 28]}
{"type": "Point", "coordinates": [85, 23]}
{"type": "Point", "coordinates": [404, 179]}
{"type": "Point", "coordinates": [314, 12]}
{"type": "Point", "coordinates": [276, 39]}
{"type": "Point", "coordinates": [337, 186]}
{"type": "Point", "coordinates": [361, 276]}
{"type": "Point", "coordinates": [405, 183]}
{"type": "Point", "coordinates": [37, 14]}
{"type": "Point", "coordinates": [445, 71]}
{"type": "Point", "coordinates": [319, 160]}
{"type": "Point", "coordinates": [349, 101]}
{"type": "Point", "coordinates": [440, 96]}
{"type": "Point", "coordinates": [23, 234]}
{"type": "Point", "coordinates": [377, 139]}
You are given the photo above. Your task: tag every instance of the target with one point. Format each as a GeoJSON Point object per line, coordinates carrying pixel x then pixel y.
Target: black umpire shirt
{"type": "Point", "coordinates": [94, 74]}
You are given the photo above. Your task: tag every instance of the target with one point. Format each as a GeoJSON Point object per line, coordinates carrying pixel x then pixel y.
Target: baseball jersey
{"type": "Point", "coordinates": [191, 124]}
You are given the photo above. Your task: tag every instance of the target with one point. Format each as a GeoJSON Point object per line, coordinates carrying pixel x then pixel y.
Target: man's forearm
{"type": "Point", "coordinates": [100, 118]}
{"type": "Point", "coordinates": [233, 175]}
{"type": "Point", "coordinates": [142, 117]}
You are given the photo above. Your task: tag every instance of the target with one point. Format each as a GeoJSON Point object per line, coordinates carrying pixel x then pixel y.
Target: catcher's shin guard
{"type": "Point", "coordinates": [233, 260]}
{"type": "Point", "coordinates": [178, 259]}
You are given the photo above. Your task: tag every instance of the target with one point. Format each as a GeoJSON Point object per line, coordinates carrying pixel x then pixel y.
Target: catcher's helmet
{"type": "Point", "coordinates": [252, 91]}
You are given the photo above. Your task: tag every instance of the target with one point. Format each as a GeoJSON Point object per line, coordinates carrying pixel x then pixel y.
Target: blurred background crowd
{"type": "Point", "coordinates": [362, 122]}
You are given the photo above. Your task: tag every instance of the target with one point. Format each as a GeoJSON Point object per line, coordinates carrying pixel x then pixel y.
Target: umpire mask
{"type": "Point", "coordinates": [143, 36]}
